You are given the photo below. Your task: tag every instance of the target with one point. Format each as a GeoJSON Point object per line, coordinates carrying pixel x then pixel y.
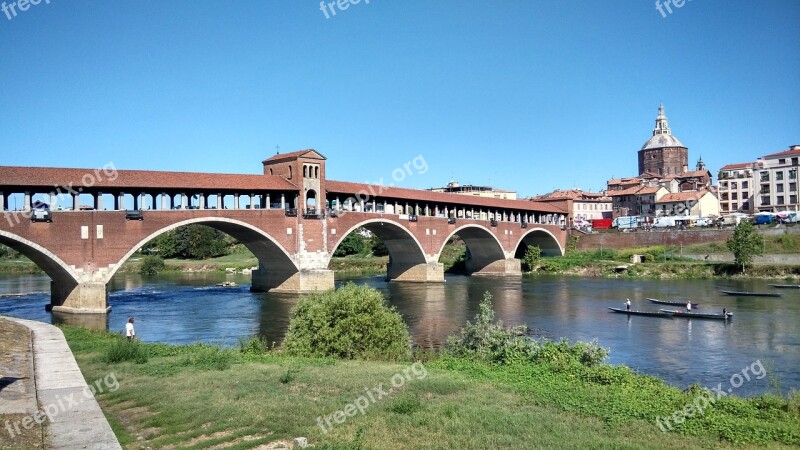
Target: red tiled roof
{"type": "Point", "coordinates": [737, 166]}
{"type": "Point", "coordinates": [692, 173]}
{"type": "Point", "coordinates": [346, 187]}
{"type": "Point", "coordinates": [793, 150]}
{"type": "Point", "coordinates": [636, 190]}
{"type": "Point", "coordinates": [571, 194]}
{"type": "Point", "coordinates": [294, 155]}
{"type": "Point", "coordinates": [137, 179]}
{"type": "Point", "coordinates": [682, 196]}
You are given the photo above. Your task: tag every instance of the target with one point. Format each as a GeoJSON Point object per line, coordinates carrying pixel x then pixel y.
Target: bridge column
{"type": "Point", "coordinates": [3, 202]}
{"type": "Point", "coordinates": [268, 205]}
{"type": "Point", "coordinates": [26, 203]}
{"type": "Point", "coordinates": [202, 200]}
{"type": "Point", "coordinates": [283, 201]}
{"type": "Point", "coordinates": [76, 202]}
{"type": "Point", "coordinates": [432, 272]}
{"type": "Point", "coordinates": [303, 281]}
{"type": "Point", "coordinates": [82, 298]}
{"type": "Point", "coordinates": [503, 267]}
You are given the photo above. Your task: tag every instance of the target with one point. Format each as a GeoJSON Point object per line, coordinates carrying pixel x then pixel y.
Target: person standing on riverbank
{"type": "Point", "coordinates": [628, 304]}
{"type": "Point", "coordinates": [689, 306]}
{"type": "Point", "coordinates": [129, 331]}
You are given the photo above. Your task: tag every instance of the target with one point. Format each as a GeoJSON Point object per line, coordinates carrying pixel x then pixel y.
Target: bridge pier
{"type": "Point", "coordinates": [83, 298]}
{"type": "Point", "coordinates": [508, 267]}
{"type": "Point", "coordinates": [419, 273]}
{"type": "Point", "coordinates": [303, 281]}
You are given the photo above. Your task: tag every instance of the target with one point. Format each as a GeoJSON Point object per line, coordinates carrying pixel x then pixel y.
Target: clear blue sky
{"type": "Point", "coordinates": [523, 95]}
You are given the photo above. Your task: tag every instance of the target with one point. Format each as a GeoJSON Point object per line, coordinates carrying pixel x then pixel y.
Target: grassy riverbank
{"type": "Point", "coordinates": [660, 262]}
{"type": "Point", "coordinates": [205, 397]}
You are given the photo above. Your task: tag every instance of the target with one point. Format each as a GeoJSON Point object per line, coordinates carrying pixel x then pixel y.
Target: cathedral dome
{"type": "Point", "coordinates": [662, 135]}
{"type": "Point", "coordinates": [662, 140]}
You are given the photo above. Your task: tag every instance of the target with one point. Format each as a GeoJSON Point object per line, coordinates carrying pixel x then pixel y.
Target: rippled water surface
{"type": "Point", "coordinates": [186, 308]}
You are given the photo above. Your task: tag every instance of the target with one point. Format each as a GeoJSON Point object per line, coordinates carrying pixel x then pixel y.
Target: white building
{"type": "Point", "coordinates": [737, 188]}
{"type": "Point", "coordinates": [777, 181]}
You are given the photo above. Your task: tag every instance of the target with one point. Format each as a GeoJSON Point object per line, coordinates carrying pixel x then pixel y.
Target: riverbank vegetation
{"type": "Point", "coordinates": [491, 387]}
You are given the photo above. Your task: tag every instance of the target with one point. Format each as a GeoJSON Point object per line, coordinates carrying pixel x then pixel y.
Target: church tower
{"type": "Point", "coordinates": [663, 154]}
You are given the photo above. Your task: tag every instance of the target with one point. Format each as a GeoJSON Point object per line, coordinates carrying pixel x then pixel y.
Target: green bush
{"type": "Point", "coordinates": [485, 340]}
{"type": "Point", "coordinates": [151, 265]}
{"type": "Point", "coordinates": [126, 350]}
{"type": "Point", "coordinates": [352, 244]}
{"type": "Point", "coordinates": [350, 322]}
{"type": "Point", "coordinates": [256, 345]}
{"type": "Point", "coordinates": [531, 257]}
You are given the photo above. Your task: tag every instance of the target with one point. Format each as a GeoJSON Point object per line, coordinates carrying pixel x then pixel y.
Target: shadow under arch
{"type": "Point", "coordinates": [483, 247]}
{"type": "Point", "coordinates": [270, 254]}
{"type": "Point", "coordinates": [59, 272]}
{"type": "Point", "coordinates": [541, 238]}
{"type": "Point", "coordinates": [405, 251]}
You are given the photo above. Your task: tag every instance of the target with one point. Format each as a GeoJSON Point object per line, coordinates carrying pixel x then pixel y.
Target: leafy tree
{"type": "Point", "coordinates": [350, 322]}
{"type": "Point", "coordinates": [531, 257]}
{"type": "Point", "coordinates": [378, 247]}
{"type": "Point", "coordinates": [200, 242]}
{"type": "Point", "coordinates": [745, 244]}
{"type": "Point", "coordinates": [151, 265]}
{"type": "Point", "coordinates": [352, 244]}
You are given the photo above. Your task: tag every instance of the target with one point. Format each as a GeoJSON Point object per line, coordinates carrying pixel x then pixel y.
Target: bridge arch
{"type": "Point", "coordinates": [405, 251]}
{"type": "Point", "coordinates": [543, 239]}
{"type": "Point", "coordinates": [483, 246]}
{"type": "Point", "coordinates": [269, 252]}
{"type": "Point", "coordinates": [60, 272]}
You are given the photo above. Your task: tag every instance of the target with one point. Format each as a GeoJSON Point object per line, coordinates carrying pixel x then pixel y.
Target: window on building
{"type": "Point", "coordinates": [779, 187]}
{"type": "Point", "coordinates": [794, 161]}
{"type": "Point", "coordinates": [793, 174]}
{"type": "Point", "coordinates": [765, 200]}
{"type": "Point", "coordinates": [764, 176]}
{"type": "Point", "coordinates": [744, 184]}
{"type": "Point", "coordinates": [735, 205]}
{"type": "Point", "coordinates": [779, 175]}
{"type": "Point", "coordinates": [780, 200]}
{"type": "Point", "coordinates": [745, 195]}
{"type": "Point", "coordinates": [793, 199]}
{"type": "Point", "coordinates": [734, 185]}
{"type": "Point", "coordinates": [782, 161]}
{"type": "Point", "coordinates": [735, 196]}
{"type": "Point", "coordinates": [745, 206]}
{"type": "Point", "coordinates": [765, 189]}
{"type": "Point", "coordinates": [793, 186]}
{"type": "Point", "coordinates": [723, 185]}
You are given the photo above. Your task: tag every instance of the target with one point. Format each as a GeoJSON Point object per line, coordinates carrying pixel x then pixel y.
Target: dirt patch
{"type": "Point", "coordinates": [17, 393]}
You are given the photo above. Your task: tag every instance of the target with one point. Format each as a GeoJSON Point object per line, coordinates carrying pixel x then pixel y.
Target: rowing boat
{"type": "Point", "coordinates": [640, 313]}
{"type": "Point", "coordinates": [667, 302]}
{"type": "Point", "coordinates": [785, 286]}
{"type": "Point", "coordinates": [692, 315]}
{"type": "Point", "coordinates": [752, 294]}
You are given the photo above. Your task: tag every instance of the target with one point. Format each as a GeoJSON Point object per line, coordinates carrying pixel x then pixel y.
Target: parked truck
{"type": "Point", "coordinates": [601, 224]}
{"type": "Point", "coordinates": [626, 223]}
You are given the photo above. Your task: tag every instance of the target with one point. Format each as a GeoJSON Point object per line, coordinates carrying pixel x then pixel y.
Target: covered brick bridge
{"type": "Point", "coordinates": [291, 218]}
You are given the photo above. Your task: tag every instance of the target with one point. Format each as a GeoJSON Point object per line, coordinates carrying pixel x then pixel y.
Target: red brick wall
{"type": "Point", "coordinates": [616, 239]}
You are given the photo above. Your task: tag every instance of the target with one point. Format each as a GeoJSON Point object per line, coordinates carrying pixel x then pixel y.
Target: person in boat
{"type": "Point", "coordinates": [724, 312]}
{"type": "Point", "coordinates": [689, 306]}
{"type": "Point", "coordinates": [628, 304]}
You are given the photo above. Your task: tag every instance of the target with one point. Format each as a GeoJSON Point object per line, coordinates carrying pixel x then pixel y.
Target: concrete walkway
{"type": "Point", "coordinates": [75, 420]}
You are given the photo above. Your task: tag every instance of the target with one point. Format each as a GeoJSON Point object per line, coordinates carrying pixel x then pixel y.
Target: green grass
{"type": "Point", "coordinates": [780, 244]}
{"type": "Point", "coordinates": [177, 398]}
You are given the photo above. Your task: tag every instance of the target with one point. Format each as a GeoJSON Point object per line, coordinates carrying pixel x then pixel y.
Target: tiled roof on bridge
{"type": "Point", "coordinates": [138, 179]}
{"type": "Point", "coordinates": [346, 187]}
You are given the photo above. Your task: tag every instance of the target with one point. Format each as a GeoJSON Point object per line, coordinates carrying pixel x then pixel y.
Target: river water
{"type": "Point", "coordinates": [186, 308]}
